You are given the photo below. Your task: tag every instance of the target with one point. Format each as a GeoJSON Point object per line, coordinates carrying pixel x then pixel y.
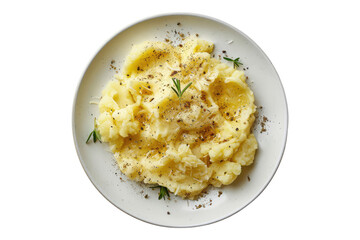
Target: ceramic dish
{"type": "Point", "coordinates": [142, 202]}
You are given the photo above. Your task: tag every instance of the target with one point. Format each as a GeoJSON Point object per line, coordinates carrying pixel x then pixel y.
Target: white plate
{"type": "Point", "coordinates": [129, 196]}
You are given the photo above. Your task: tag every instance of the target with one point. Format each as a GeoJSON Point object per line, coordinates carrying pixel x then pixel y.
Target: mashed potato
{"type": "Point", "coordinates": [186, 145]}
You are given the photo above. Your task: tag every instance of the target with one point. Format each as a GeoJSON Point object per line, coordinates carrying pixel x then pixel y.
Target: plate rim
{"type": "Point", "coordinates": [191, 14]}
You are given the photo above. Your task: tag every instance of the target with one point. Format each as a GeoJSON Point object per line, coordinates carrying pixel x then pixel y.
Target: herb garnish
{"type": "Point", "coordinates": [235, 61]}
{"type": "Point", "coordinates": [95, 133]}
{"type": "Point", "coordinates": [178, 90]}
{"type": "Point", "coordinates": [163, 192]}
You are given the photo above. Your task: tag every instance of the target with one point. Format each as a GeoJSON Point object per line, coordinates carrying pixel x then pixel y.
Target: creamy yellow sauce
{"type": "Point", "coordinates": [186, 145]}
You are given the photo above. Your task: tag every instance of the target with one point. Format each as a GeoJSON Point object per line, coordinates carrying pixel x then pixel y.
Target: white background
{"type": "Point", "coordinates": [45, 48]}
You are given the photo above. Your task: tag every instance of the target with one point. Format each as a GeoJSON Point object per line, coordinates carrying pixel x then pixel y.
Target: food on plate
{"type": "Point", "coordinates": [179, 118]}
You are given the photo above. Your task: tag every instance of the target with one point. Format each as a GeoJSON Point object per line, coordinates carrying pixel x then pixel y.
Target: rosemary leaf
{"type": "Point", "coordinates": [175, 91]}
{"type": "Point", "coordinates": [163, 192]}
{"type": "Point", "coordinates": [236, 61]}
{"type": "Point", "coordinates": [89, 136]}
{"type": "Point", "coordinates": [95, 134]}
{"type": "Point", "coordinates": [177, 88]}
{"type": "Point", "coordinates": [185, 88]}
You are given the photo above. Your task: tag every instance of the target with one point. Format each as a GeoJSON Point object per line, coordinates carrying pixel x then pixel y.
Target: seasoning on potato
{"type": "Point", "coordinates": [182, 137]}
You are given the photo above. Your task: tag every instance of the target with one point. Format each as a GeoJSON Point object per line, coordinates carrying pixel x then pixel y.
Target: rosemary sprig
{"type": "Point", "coordinates": [235, 61]}
{"type": "Point", "coordinates": [178, 90]}
{"type": "Point", "coordinates": [95, 133]}
{"type": "Point", "coordinates": [163, 192]}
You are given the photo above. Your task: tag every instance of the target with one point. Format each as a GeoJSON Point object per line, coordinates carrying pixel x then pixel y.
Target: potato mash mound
{"type": "Point", "coordinates": [183, 145]}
